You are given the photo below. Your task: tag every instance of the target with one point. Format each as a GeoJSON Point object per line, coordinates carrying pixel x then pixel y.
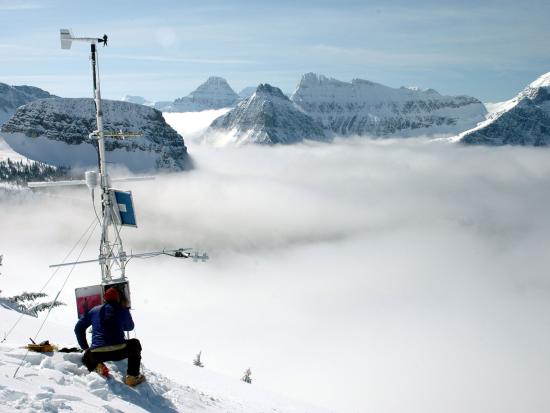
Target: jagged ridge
{"type": "Point", "coordinates": [363, 107]}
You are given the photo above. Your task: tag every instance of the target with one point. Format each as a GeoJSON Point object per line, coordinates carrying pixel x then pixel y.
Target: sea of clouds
{"type": "Point", "coordinates": [362, 275]}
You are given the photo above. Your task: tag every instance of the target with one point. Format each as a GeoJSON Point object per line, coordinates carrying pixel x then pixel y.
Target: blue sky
{"type": "Point", "coordinates": [164, 49]}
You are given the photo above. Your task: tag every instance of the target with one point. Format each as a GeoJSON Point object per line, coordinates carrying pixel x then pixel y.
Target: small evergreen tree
{"type": "Point", "coordinates": [35, 309]}
{"type": "Point", "coordinates": [197, 361]}
{"type": "Point", "coordinates": [25, 296]}
{"type": "Point", "coordinates": [247, 376]}
{"type": "Point", "coordinates": [26, 303]}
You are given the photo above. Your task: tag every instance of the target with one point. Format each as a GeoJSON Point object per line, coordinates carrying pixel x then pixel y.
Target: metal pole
{"type": "Point", "coordinates": [105, 252]}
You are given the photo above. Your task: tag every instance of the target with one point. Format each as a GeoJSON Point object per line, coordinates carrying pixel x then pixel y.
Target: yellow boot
{"type": "Point", "coordinates": [134, 380]}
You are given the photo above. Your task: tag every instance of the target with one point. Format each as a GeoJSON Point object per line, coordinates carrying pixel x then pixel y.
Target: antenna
{"type": "Point", "coordinates": [122, 135]}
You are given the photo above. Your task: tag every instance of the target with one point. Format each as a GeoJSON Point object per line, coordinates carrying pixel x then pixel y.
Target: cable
{"type": "Point", "coordinates": [95, 209]}
{"type": "Point", "coordinates": [53, 302]}
{"type": "Point", "coordinates": [50, 279]}
{"type": "Point", "coordinates": [64, 283]}
{"type": "Point", "coordinates": [69, 253]}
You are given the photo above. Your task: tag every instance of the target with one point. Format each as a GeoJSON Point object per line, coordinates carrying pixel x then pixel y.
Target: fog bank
{"type": "Point", "coordinates": [363, 275]}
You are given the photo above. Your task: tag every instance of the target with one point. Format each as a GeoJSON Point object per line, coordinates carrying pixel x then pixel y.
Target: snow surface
{"type": "Point", "coordinates": [7, 152]}
{"type": "Point", "coordinates": [59, 382]}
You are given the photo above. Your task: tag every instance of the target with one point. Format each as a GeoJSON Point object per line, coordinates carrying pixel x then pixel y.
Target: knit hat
{"type": "Point", "coordinates": [112, 294]}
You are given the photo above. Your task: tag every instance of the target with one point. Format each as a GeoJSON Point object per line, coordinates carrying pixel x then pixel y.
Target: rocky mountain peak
{"type": "Point", "coordinates": [266, 90]}
{"type": "Point", "coordinates": [214, 85]}
{"type": "Point", "coordinates": [215, 93]}
{"type": "Point", "coordinates": [267, 117]}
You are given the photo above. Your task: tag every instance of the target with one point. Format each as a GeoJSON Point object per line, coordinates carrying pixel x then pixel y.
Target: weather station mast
{"type": "Point", "coordinates": [107, 255]}
{"type": "Point", "coordinates": [117, 207]}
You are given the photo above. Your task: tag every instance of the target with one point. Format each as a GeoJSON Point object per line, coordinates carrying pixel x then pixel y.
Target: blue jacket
{"type": "Point", "coordinates": [108, 321]}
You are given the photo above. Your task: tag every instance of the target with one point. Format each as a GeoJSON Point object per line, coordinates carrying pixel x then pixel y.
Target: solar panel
{"type": "Point", "coordinates": [123, 206]}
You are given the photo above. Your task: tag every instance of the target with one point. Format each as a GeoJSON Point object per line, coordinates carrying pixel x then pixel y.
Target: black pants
{"type": "Point", "coordinates": [132, 352]}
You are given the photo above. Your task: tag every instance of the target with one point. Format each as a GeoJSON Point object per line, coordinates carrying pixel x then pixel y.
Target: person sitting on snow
{"type": "Point", "coordinates": [109, 322]}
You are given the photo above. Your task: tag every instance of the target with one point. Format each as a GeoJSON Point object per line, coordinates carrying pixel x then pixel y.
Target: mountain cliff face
{"type": "Point", "coordinates": [267, 117]}
{"type": "Point", "coordinates": [55, 131]}
{"type": "Point", "coordinates": [11, 97]}
{"type": "Point", "coordinates": [215, 93]}
{"type": "Point", "coordinates": [367, 108]}
{"type": "Point", "coordinates": [523, 120]}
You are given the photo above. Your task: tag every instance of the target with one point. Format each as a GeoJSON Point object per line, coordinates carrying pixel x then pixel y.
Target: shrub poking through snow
{"type": "Point", "coordinates": [197, 361]}
{"type": "Point", "coordinates": [247, 378]}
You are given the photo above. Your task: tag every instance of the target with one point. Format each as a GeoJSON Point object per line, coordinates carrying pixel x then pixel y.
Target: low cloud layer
{"type": "Point", "coordinates": [363, 275]}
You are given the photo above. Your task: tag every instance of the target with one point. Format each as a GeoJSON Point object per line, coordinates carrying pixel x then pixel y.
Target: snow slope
{"type": "Point", "coordinates": [362, 107]}
{"type": "Point", "coordinates": [6, 152]}
{"type": "Point", "coordinates": [59, 382]}
{"type": "Point", "coordinates": [10, 180]}
{"type": "Point", "coordinates": [522, 120]}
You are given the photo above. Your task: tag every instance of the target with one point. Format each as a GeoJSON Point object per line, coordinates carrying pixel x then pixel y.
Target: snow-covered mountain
{"type": "Point", "coordinates": [55, 131]}
{"type": "Point", "coordinates": [361, 107]}
{"type": "Point", "coordinates": [11, 97]}
{"type": "Point", "coordinates": [523, 120]}
{"type": "Point", "coordinates": [267, 117]}
{"type": "Point", "coordinates": [215, 93]}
